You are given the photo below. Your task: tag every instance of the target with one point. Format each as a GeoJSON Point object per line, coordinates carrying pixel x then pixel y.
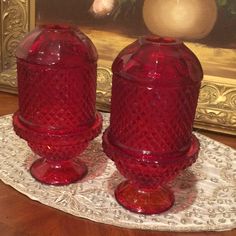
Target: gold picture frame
{"type": "Point", "coordinates": [17, 17]}
{"type": "Point", "coordinates": [217, 102]}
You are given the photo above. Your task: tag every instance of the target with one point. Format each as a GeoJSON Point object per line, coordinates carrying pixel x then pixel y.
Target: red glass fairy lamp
{"type": "Point", "coordinates": [155, 88]}
{"type": "Point", "coordinates": [56, 71]}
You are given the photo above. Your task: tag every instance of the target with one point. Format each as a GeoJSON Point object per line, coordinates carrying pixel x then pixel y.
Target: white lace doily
{"type": "Point", "coordinates": [205, 193]}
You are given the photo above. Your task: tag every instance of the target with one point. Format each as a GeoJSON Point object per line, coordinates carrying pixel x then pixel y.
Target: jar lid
{"type": "Point", "coordinates": [156, 60]}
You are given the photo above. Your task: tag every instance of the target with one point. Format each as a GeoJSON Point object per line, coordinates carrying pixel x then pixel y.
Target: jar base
{"type": "Point", "coordinates": [143, 201]}
{"type": "Point", "coordinates": [58, 173]}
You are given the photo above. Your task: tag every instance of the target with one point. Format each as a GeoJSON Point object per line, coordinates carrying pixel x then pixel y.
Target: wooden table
{"type": "Point", "coordinates": [21, 216]}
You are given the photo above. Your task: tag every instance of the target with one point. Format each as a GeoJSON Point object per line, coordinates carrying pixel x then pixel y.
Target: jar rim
{"type": "Point", "coordinates": [158, 40]}
{"type": "Point", "coordinates": [58, 26]}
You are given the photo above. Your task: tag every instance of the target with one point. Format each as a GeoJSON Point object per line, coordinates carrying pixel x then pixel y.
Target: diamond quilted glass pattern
{"type": "Point", "coordinates": [56, 70]}
{"type": "Point", "coordinates": [156, 83]}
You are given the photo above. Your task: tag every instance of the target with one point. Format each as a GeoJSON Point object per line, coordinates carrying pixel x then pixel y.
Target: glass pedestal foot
{"type": "Point", "coordinates": [58, 173]}
{"type": "Point", "coordinates": [144, 201]}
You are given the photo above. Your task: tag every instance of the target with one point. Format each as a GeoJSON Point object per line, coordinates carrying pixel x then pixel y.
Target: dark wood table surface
{"type": "Point", "coordinates": [21, 216]}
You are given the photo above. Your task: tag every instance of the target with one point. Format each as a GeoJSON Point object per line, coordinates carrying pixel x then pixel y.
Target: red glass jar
{"type": "Point", "coordinates": [155, 88]}
{"type": "Point", "coordinates": [56, 71]}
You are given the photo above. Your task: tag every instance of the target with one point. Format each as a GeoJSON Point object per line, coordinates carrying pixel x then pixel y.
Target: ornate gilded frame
{"type": "Point", "coordinates": [217, 103]}
{"type": "Point", "coordinates": [17, 17]}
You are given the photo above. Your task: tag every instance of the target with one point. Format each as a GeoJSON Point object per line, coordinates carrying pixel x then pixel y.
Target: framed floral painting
{"type": "Point", "coordinates": [112, 25]}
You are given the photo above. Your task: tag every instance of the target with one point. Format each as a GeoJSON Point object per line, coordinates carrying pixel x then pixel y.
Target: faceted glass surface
{"type": "Point", "coordinates": [155, 89]}
{"type": "Point", "coordinates": [56, 70]}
